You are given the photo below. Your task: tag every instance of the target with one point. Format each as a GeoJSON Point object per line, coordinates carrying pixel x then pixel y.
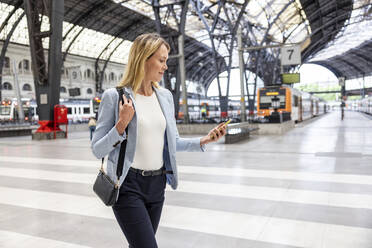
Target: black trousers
{"type": "Point", "coordinates": [139, 207]}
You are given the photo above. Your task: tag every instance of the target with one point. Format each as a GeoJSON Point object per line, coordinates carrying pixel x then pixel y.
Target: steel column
{"type": "Point", "coordinates": [46, 84]}
{"type": "Point", "coordinates": [241, 69]}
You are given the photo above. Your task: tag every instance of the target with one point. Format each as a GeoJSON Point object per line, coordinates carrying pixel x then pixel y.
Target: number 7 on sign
{"type": "Point", "coordinates": [290, 51]}
{"type": "Point", "coordinates": [291, 55]}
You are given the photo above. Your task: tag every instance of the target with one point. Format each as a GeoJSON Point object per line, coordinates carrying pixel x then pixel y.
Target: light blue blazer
{"type": "Point", "coordinates": [106, 139]}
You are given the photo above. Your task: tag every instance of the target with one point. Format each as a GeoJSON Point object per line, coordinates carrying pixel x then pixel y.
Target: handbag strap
{"type": "Point", "coordinates": [123, 145]}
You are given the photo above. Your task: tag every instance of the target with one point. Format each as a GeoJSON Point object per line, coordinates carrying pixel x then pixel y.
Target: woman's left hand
{"type": "Point", "coordinates": [214, 135]}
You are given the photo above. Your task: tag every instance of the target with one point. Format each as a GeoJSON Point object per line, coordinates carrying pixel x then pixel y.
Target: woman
{"type": "Point", "coordinates": [152, 140]}
{"type": "Point", "coordinates": [92, 126]}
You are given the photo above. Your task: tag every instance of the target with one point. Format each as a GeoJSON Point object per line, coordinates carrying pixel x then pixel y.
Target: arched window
{"type": "Point", "coordinates": [89, 91]}
{"type": "Point", "coordinates": [88, 73]}
{"type": "Point", "coordinates": [106, 77]}
{"type": "Point", "coordinates": [7, 86]}
{"type": "Point", "coordinates": [27, 87]}
{"type": "Point", "coordinates": [74, 75]}
{"type": "Point", "coordinates": [112, 76]}
{"type": "Point", "coordinates": [6, 62]}
{"type": "Point", "coordinates": [62, 89]}
{"type": "Point", "coordinates": [24, 65]}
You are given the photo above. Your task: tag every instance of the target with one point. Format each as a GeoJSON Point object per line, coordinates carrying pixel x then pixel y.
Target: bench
{"type": "Point", "coordinates": [238, 131]}
{"type": "Point", "coordinates": [15, 130]}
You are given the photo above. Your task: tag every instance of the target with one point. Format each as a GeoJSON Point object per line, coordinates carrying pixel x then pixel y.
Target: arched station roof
{"type": "Point", "coordinates": [115, 19]}
{"type": "Point", "coordinates": [313, 23]}
{"type": "Point", "coordinates": [120, 21]}
{"type": "Point", "coordinates": [349, 54]}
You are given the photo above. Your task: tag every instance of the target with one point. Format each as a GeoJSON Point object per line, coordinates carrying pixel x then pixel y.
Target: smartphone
{"type": "Point", "coordinates": [227, 122]}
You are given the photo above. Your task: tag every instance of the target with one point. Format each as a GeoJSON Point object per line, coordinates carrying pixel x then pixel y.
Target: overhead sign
{"type": "Point", "coordinates": [272, 93]}
{"type": "Point", "coordinates": [290, 78]}
{"type": "Point", "coordinates": [291, 55]}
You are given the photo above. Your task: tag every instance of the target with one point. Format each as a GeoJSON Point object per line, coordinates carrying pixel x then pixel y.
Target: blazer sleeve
{"type": "Point", "coordinates": [185, 144]}
{"type": "Point", "coordinates": [106, 137]}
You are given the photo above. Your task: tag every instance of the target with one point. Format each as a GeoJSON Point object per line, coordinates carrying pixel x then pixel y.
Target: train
{"type": "Point", "coordinates": [208, 110]}
{"type": "Point", "coordinates": [9, 110]}
{"type": "Point", "coordinates": [297, 105]}
{"type": "Point", "coordinates": [363, 105]}
{"type": "Point", "coordinates": [78, 110]}
{"type": "Point", "coordinates": [300, 106]}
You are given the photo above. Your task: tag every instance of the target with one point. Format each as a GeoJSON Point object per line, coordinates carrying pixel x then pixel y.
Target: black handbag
{"type": "Point", "coordinates": [104, 187]}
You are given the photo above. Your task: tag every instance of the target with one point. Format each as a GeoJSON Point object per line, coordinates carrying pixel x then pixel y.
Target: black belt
{"type": "Point", "coordinates": [147, 173]}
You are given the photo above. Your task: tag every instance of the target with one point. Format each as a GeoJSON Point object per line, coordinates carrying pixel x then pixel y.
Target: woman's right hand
{"type": "Point", "coordinates": [126, 112]}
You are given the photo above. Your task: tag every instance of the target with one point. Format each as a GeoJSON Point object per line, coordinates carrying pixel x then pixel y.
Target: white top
{"type": "Point", "coordinates": [150, 133]}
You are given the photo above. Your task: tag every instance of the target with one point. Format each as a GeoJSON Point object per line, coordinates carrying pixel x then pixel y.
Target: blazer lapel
{"type": "Point", "coordinates": [163, 103]}
{"type": "Point", "coordinates": [130, 91]}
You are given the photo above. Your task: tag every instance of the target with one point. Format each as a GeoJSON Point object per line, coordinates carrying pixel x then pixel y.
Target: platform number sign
{"type": "Point", "coordinates": [291, 55]}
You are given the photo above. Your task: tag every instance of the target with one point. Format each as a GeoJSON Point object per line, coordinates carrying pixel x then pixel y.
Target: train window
{"type": "Point", "coordinates": [7, 86]}
{"type": "Point", "coordinates": [265, 102]}
{"type": "Point", "coordinates": [282, 101]}
{"type": "Point", "coordinates": [4, 110]}
{"type": "Point", "coordinates": [86, 110]}
{"type": "Point", "coordinates": [296, 101]}
{"type": "Point", "coordinates": [69, 111]}
{"type": "Point", "coordinates": [26, 87]}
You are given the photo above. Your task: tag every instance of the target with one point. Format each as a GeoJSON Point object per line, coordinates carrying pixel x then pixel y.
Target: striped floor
{"type": "Point", "coordinates": [311, 187]}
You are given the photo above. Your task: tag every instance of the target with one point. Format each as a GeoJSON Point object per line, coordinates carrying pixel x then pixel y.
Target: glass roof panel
{"type": "Point", "coordinates": [82, 46]}
{"type": "Point", "coordinates": [356, 31]}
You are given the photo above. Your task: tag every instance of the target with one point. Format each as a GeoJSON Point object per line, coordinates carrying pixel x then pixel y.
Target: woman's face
{"type": "Point", "coordinates": [156, 65]}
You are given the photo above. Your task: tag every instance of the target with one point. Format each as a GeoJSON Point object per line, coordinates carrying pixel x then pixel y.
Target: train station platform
{"type": "Point", "coordinates": [310, 187]}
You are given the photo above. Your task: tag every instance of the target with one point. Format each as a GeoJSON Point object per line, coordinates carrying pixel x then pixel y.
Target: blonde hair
{"type": "Point", "coordinates": [143, 47]}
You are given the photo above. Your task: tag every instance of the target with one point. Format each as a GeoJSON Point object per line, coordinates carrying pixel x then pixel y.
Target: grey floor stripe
{"type": "Point", "coordinates": [294, 211]}
{"type": "Point", "coordinates": [99, 232]}
{"type": "Point", "coordinates": [250, 181]}
{"type": "Point", "coordinates": [47, 186]}
{"type": "Point", "coordinates": [53, 167]}
{"type": "Point", "coordinates": [281, 183]}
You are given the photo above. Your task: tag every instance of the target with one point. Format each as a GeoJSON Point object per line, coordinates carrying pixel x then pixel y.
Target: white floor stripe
{"type": "Point", "coordinates": [275, 174]}
{"type": "Point", "coordinates": [260, 228]}
{"type": "Point", "coordinates": [51, 161]}
{"type": "Point", "coordinates": [12, 239]}
{"type": "Point", "coordinates": [219, 189]}
{"type": "Point", "coordinates": [279, 194]}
